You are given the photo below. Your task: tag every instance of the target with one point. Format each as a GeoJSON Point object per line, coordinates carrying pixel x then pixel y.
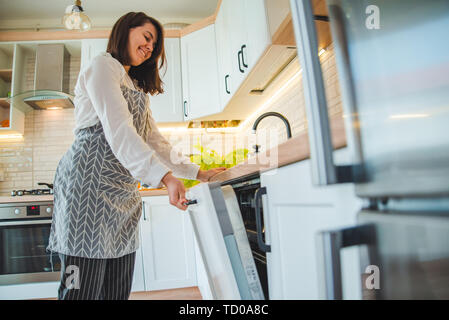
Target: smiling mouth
{"type": "Point", "coordinates": [143, 54]}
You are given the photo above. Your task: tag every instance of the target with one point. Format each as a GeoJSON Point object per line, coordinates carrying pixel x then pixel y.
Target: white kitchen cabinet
{"type": "Point", "coordinates": [167, 243]}
{"type": "Point", "coordinates": [167, 107]}
{"type": "Point", "coordinates": [242, 37]}
{"type": "Point", "coordinates": [138, 284]}
{"type": "Point", "coordinates": [294, 212]}
{"type": "Point", "coordinates": [223, 25]}
{"type": "Point", "coordinates": [90, 48]}
{"type": "Point", "coordinates": [200, 80]}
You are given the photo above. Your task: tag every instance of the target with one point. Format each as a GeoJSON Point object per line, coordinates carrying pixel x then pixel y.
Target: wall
{"type": "Point", "coordinates": [48, 134]}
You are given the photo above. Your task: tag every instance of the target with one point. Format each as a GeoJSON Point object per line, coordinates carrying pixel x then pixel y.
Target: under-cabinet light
{"type": "Point", "coordinates": [11, 136]}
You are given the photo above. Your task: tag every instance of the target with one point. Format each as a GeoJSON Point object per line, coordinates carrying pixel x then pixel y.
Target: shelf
{"type": "Point", "coordinates": [6, 74]}
{"type": "Point", "coordinates": [4, 103]}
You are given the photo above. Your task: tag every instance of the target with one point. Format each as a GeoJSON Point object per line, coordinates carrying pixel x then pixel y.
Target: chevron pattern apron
{"type": "Point", "coordinates": [97, 205]}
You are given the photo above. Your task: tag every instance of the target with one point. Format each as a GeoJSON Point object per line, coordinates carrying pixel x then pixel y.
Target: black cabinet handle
{"type": "Point", "coordinates": [185, 109]}
{"type": "Point", "coordinates": [240, 65]}
{"type": "Point", "coordinates": [143, 211]}
{"type": "Point", "coordinates": [226, 84]}
{"type": "Point", "coordinates": [258, 195]}
{"type": "Point", "coordinates": [243, 56]}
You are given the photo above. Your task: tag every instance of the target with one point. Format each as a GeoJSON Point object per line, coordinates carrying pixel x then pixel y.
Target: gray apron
{"type": "Point", "coordinates": [97, 205]}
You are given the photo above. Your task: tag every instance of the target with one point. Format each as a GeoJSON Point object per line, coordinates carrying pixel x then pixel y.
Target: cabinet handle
{"type": "Point", "coordinates": [240, 64]}
{"type": "Point", "coordinates": [258, 195]}
{"type": "Point", "coordinates": [226, 84]}
{"type": "Point", "coordinates": [185, 109]}
{"type": "Point", "coordinates": [329, 246]}
{"type": "Point", "coordinates": [243, 56]}
{"type": "Point", "coordinates": [143, 211]}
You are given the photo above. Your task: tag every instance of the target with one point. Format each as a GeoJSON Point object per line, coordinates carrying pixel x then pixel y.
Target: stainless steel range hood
{"type": "Point", "coordinates": [51, 80]}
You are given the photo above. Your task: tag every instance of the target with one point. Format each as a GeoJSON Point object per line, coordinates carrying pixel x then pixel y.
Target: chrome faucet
{"type": "Point", "coordinates": [268, 114]}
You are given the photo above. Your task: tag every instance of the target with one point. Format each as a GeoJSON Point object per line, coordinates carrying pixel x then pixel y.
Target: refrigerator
{"type": "Point", "coordinates": [393, 69]}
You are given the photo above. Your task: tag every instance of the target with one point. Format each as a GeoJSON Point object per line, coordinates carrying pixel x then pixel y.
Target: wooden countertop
{"type": "Point", "coordinates": [293, 150]}
{"type": "Point", "coordinates": [46, 198]}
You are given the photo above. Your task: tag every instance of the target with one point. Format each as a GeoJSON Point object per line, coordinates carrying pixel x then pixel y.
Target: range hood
{"type": "Point", "coordinates": [51, 80]}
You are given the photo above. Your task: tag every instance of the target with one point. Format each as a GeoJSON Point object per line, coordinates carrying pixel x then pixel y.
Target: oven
{"type": "Point", "coordinates": [245, 190]}
{"type": "Point", "coordinates": [24, 235]}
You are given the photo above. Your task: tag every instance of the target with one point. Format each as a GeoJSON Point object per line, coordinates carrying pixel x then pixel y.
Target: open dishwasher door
{"type": "Point", "coordinates": [223, 243]}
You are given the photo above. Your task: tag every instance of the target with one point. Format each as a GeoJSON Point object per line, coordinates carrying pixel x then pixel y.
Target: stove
{"type": "Point", "coordinates": [34, 192]}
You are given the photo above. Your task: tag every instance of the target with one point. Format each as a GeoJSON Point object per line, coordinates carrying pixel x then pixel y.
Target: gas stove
{"type": "Point", "coordinates": [34, 192]}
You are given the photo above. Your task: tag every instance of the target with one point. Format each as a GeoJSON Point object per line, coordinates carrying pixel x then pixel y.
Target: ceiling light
{"type": "Point", "coordinates": [75, 19]}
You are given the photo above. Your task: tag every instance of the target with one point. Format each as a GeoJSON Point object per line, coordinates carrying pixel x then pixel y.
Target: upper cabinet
{"type": "Point", "coordinates": [90, 48]}
{"type": "Point", "coordinates": [200, 74]}
{"type": "Point", "coordinates": [242, 35]}
{"type": "Point", "coordinates": [168, 107]}
{"type": "Point", "coordinates": [225, 55]}
{"type": "Point", "coordinates": [249, 35]}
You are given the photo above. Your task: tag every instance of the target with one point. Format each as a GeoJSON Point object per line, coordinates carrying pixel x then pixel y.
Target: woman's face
{"type": "Point", "coordinates": [141, 42]}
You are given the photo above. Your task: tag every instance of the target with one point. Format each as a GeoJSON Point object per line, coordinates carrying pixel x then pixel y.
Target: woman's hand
{"type": "Point", "coordinates": [176, 191]}
{"type": "Point", "coordinates": [205, 175]}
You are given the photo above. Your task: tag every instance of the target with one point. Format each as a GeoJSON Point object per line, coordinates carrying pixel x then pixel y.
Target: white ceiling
{"type": "Point", "coordinates": [47, 14]}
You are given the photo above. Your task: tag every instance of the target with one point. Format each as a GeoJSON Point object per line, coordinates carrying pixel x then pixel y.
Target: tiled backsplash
{"type": "Point", "coordinates": [48, 134]}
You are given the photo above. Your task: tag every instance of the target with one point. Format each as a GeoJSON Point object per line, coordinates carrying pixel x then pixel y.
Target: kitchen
{"type": "Point", "coordinates": [246, 74]}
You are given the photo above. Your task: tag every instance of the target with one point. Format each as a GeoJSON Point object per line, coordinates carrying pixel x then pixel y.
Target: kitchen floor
{"type": "Point", "coordinates": [191, 293]}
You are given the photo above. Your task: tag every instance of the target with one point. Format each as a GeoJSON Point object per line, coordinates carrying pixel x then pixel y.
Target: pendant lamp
{"type": "Point", "coordinates": [75, 18]}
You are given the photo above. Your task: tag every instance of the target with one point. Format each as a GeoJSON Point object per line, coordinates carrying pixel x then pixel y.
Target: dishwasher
{"type": "Point", "coordinates": [223, 243]}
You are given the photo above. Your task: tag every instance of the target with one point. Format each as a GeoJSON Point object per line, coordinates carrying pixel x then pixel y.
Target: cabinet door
{"type": "Point", "coordinates": [224, 53]}
{"type": "Point", "coordinates": [238, 39]}
{"type": "Point", "coordinates": [138, 277]}
{"type": "Point", "coordinates": [258, 33]}
{"type": "Point", "coordinates": [167, 246]}
{"type": "Point", "coordinates": [90, 48]}
{"type": "Point", "coordinates": [200, 73]}
{"type": "Point", "coordinates": [249, 35]}
{"type": "Point", "coordinates": [167, 107]}
{"type": "Point", "coordinates": [296, 211]}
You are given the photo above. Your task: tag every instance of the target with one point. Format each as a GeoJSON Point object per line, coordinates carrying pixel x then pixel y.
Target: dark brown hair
{"type": "Point", "coordinates": [147, 73]}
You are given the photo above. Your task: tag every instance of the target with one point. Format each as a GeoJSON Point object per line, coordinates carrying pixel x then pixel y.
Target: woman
{"type": "Point", "coordinates": [97, 206]}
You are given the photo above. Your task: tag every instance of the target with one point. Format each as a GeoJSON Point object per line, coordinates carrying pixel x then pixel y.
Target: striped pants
{"type": "Point", "coordinates": [96, 279]}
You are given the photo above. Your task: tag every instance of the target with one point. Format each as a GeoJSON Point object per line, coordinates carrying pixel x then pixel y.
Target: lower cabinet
{"type": "Point", "coordinates": [138, 284]}
{"type": "Point", "coordinates": [294, 212]}
{"type": "Point", "coordinates": [167, 247]}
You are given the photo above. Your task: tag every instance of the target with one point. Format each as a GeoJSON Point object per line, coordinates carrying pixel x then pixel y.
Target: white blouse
{"type": "Point", "coordinates": [98, 97]}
